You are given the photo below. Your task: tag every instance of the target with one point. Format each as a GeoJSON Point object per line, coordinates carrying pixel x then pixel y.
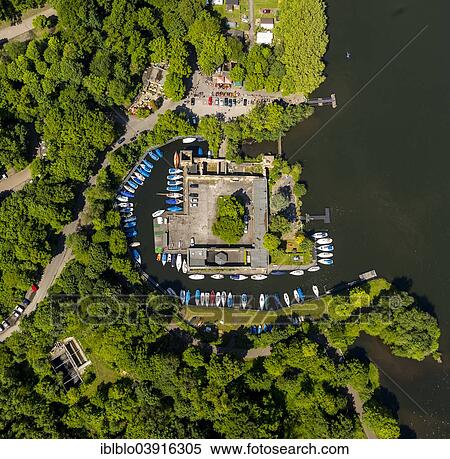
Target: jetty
{"type": "Point", "coordinates": [362, 278]}
{"type": "Point", "coordinates": [325, 217]}
{"type": "Point", "coordinates": [321, 101]}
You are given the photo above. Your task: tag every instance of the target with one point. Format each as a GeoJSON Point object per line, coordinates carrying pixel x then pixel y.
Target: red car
{"type": "Point", "coordinates": [210, 100]}
{"type": "Point", "coordinates": [265, 11]}
{"type": "Point", "coordinates": [34, 288]}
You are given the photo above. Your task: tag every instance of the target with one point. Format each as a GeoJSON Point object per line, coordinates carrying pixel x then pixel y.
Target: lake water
{"type": "Point", "coordinates": [380, 162]}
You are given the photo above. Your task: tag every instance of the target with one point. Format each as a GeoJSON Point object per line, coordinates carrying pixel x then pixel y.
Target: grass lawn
{"type": "Point", "coordinates": [103, 374]}
{"type": "Point", "coordinates": [236, 14]}
{"type": "Point", "coordinates": [233, 319]}
{"type": "Point", "coordinates": [265, 4]}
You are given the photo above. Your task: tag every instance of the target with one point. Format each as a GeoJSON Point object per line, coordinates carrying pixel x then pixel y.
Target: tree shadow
{"type": "Point", "coordinates": [290, 212]}
{"type": "Point", "coordinates": [242, 197]}
{"type": "Point", "coordinates": [407, 432]}
{"type": "Point", "coordinates": [236, 342]}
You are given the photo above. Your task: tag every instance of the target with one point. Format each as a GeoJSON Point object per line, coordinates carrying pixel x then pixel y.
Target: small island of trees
{"type": "Point", "coordinates": [229, 225]}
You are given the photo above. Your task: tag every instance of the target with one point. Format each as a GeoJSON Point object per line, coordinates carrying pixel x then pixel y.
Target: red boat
{"type": "Point", "coordinates": [212, 298]}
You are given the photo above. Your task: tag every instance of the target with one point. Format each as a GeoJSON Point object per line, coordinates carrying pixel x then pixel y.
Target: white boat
{"type": "Point", "coordinates": [158, 213]}
{"type": "Point", "coordinates": [320, 235]}
{"type": "Point", "coordinates": [324, 240]}
{"type": "Point", "coordinates": [325, 255]}
{"type": "Point", "coordinates": [326, 261]}
{"type": "Point", "coordinates": [217, 276]}
{"type": "Point", "coordinates": [174, 182]}
{"type": "Point", "coordinates": [218, 299]}
{"type": "Point", "coordinates": [202, 298]}
{"type": "Point", "coordinates": [287, 299]}
{"type": "Point", "coordinates": [207, 298]}
{"type": "Point", "coordinates": [238, 277]}
{"type": "Point", "coordinates": [125, 204]}
{"type": "Point", "coordinates": [223, 298]}
{"type": "Point", "coordinates": [164, 259]}
{"type": "Point", "coordinates": [169, 258]}
{"type": "Point", "coordinates": [184, 267]}
{"type": "Point", "coordinates": [135, 244]}
{"type": "Point", "coordinates": [196, 276]}
{"type": "Point", "coordinates": [313, 269]}
{"type": "Point", "coordinates": [258, 277]}
{"type": "Point", "coordinates": [189, 139]}
{"type": "Point", "coordinates": [315, 289]}
{"type": "Point", "coordinates": [179, 262]}
{"type": "Point", "coordinates": [297, 272]}
{"type": "Point", "coordinates": [326, 248]}
{"type": "Point", "coordinates": [262, 301]}
{"type": "Point", "coordinates": [139, 175]}
{"type": "Point", "coordinates": [122, 198]}
{"type": "Point", "coordinates": [244, 300]}
{"type": "Point", "coordinates": [174, 171]}
{"type": "Point", "coordinates": [296, 296]}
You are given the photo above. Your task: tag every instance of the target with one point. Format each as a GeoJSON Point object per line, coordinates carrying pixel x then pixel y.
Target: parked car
{"type": "Point", "coordinates": [216, 101]}
{"type": "Point", "coordinates": [265, 11]}
{"type": "Point", "coordinates": [192, 100]}
{"type": "Point", "coordinates": [234, 101]}
{"type": "Point", "coordinates": [221, 102]}
{"type": "Point", "coordinates": [194, 200]}
{"type": "Point", "coordinates": [226, 101]}
{"type": "Point", "coordinates": [193, 195]}
{"type": "Point", "coordinates": [121, 140]}
{"type": "Point", "coordinates": [245, 102]}
{"type": "Point", "coordinates": [18, 311]}
{"type": "Point", "coordinates": [192, 241]}
{"type": "Point", "coordinates": [210, 101]}
{"type": "Point", "coordinates": [25, 302]}
{"type": "Point", "coordinates": [193, 185]}
{"type": "Point", "coordinates": [4, 325]}
{"type": "Point", "coordinates": [194, 204]}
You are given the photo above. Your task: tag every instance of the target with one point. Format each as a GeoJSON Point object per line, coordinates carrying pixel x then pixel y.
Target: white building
{"type": "Point", "coordinates": [264, 38]}
{"type": "Point", "coordinates": [217, 2]}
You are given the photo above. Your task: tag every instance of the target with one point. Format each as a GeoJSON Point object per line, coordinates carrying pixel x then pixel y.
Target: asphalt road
{"type": "Point", "coordinates": [26, 25]}
{"type": "Point", "coordinates": [251, 18]}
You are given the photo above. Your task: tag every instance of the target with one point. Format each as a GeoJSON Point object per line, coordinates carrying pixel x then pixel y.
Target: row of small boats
{"type": "Point", "coordinates": [222, 299]}
{"type": "Point", "coordinates": [175, 260]}
{"type": "Point", "coordinates": [174, 187]}
{"type": "Point", "coordinates": [324, 248]}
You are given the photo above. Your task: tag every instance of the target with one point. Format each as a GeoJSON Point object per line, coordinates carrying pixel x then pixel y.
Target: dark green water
{"type": "Point", "coordinates": [381, 162]}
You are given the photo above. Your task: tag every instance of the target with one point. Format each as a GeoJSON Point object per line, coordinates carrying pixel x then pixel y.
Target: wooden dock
{"type": "Point", "coordinates": [326, 217]}
{"type": "Point", "coordinates": [321, 101]}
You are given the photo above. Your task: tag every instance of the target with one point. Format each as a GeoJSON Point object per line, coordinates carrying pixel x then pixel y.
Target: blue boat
{"type": "Point", "coordinates": [244, 300]}
{"type": "Point", "coordinates": [301, 294]}
{"type": "Point", "coordinates": [174, 188]}
{"type": "Point", "coordinates": [136, 256]}
{"type": "Point", "coordinates": [326, 248]}
{"type": "Point", "coordinates": [174, 182]}
{"type": "Point", "coordinates": [278, 273]}
{"type": "Point", "coordinates": [129, 219]}
{"type": "Point", "coordinates": [174, 209]}
{"type": "Point", "coordinates": [127, 194]}
{"type": "Point", "coordinates": [143, 172]}
{"type": "Point", "coordinates": [164, 258]}
{"type": "Point", "coordinates": [174, 177]}
{"type": "Point", "coordinates": [197, 297]}
{"type": "Point", "coordinates": [147, 164]}
{"type": "Point", "coordinates": [182, 296]}
{"type": "Point", "coordinates": [154, 156]}
{"type": "Point", "coordinates": [131, 233]}
{"type": "Point", "coordinates": [172, 201]}
{"type": "Point", "coordinates": [132, 184]}
{"type": "Point", "coordinates": [125, 210]}
{"type": "Point", "coordinates": [200, 151]}
{"type": "Point", "coordinates": [174, 171]}
{"type": "Point", "coordinates": [188, 297]}
{"type": "Point", "coordinates": [259, 329]}
{"type": "Point", "coordinates": [137, 180]}
{"type": "Point", "coordinates": [278, 300]}
{"type": "Point", "coordinates": [173, 261]}
{"type": "Point", "coordinates": [130, 225]}
{"type": "Point", "coordinates": [264, 328]}
{"type": "Point", "coordinates": [230, 300]}
{"type": "Point", "coordinates": [159, 152]}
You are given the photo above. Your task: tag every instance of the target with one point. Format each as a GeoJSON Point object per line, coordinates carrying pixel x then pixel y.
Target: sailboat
{"type": "Point", "coordinates": [218, 299]}
{"type": "Point", "coordinates": [223, 297]}
{"type": "Point", "coordinates": [172, 195]}
{"type": "Point", "coordinates": [182, 296]}
{"type": "Point", "coordinates": [176, 160]}
{"type": "Point", "coordinates": [202, 298]}
{"type": "Point", "coordinates": [326, 261]}
{"type": "Point", "coordinates": [230, 300]}
{"type": "Point", "coordinates": [184, 267]}
{"type": "Point", "coordinates": [179, 261]}
{"type": "Point", "coordinates": [189, 139]}
{"type": "Point", "coordinates": [136, 256]}
{"type": "Point", "coordinates": [297, 272]}
{"type": "Point", "coordinates": [188, 297]}
{"type": "Point", "coordinates": [296, 296]}
{"type": "Point", "coordinates": [217, 276]}
{"type": "Point", "coordinates": [174, 171]}
{"type": "Point", "coordinates": [315, 289]}
{"type": "Point", "coordinates": [197, 297]}
{"type": "Point", "coordinates": [206, 298]}
{"type": "Point", "coordinates": [287, 300]}
{"type": "Point", "coordinates": [174, 209]}
{"type": "Point", "coordinates": [258, 277]}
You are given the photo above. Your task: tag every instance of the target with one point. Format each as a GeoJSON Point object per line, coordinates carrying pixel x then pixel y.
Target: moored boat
{"type": "Point", "coordinates": [129, 219]}
{"type": "Point", "coordinates": [164, 259]}
{"type": "Point", "coordinates": [128, 188]}
{"type": "Point", "coordinates": [174, 195]}
{"type": "Point", "coordinates": [218, 299]}
{"type": "Point", "coordinates": [244, 300]}
{"type": "Point", "coordinates": [142, 171]}
{"type": "Point", "coordinates": [158, 257]}
{"type": "Point", "coordinates": [135, 244]}
{"type": "Point", "coordinates": [129, 225]}
{"type": "Point", "coordinates": [147, 163]}
{"type": "Point", "coordinates": [297, 272]}
{"type": "Point", "coordinates": [136, 255]}
{"type": "Point", "coordinates": [136, 179]}
{"type": "Point", "coordinates": [174, 182]}
{"type": "Point", "coordinates": [223, 297]}
{"type": "Point", "coordinates": [313, 269]}
{"type": "Point", "coordinates": [145, 168]}
{"type": "Point", "coordinates": [217, 276]}
{"type": "Point", "coordinates": [169, 258]}
{"type": "Point", "coordinates": [188, 297]}
{"type": "Point", "coordinates": [287, 300]}
{"type": "Point", "coordinates": [140, 176]}
{"type": "Point", "coordinates": [174, 260]}
{"type": "Point", "coordinates": [326, 261]}
{"type": "Point", "coordinates": [184, 267]}
{"type": "Point", "coordinates": [182, 296]}
{"type": "Point", "coordinates": [174, 177]}
{"type": "Point", "coordinates": [128, 205]}
{"type": "Point", "coordinates": [131, 233]}
{"type": "Point", "coordinates": [154, 156]}
{"type": "Point", "coordinates": [278, 300]}
{"type": "Point", "coordinates": [296, 296]}
{"type": "Point", "coordinates": [258, 277]}
{"type": "Point", "coordinates": [174, 188]}
{"type": "Point", "coordinates": [315, 290]}
{"type": "Point", "coordinates": [202, 298]}
{"type": "Point", "coordinates": [278, 273]}
{"type": "Point", "coordinates": [326, 248]}
{"type": "Point", "coordinates": [133, 185]}
{"type": "Point", "coordinates": [238, 277]}
{"type": "Point", "coordinates": [197, 276]}
{"type": "Point", "coordinates": [325, 255]}
{"type": "Point", "coordinates": [301, 294]}
{"type": "Point", "coordinates": [230, 300]}
{"type": "Point", "coordinates": [212, 297]}
{"type": "Point", "coordinates": [171, 292]}
{"type": "Point", "coordinates": [122, 198]}
{"type": "Point", "coordinates": [262, 301]}
{"type": "Point", "coordinates": [197, 297]}
{"type": "Point", "coordinates": [127, 194]}
{"type": "Point", "coordinates": [176, 160]}
{"type": "Point", "coordinates": [179, 261]}
{"type": "Point", "coordinates": [206, 298]}
{"type": "Point", "coordinates": [159, 152]}
{"type": "Point", "coordinates": [173, 201]}
{"type": "Point", "coordinates": [324, 240]}
{"type": "Point", "coordinates": [157, 213]}
{"type": "Point", "coordinates": [320, 234]}
{"type": "Point", "coordinates": [189, 139]}
{"type": "Point", "coordinates": [174, 171]}
{"type": "Point", "coordinates": [174, 209]}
